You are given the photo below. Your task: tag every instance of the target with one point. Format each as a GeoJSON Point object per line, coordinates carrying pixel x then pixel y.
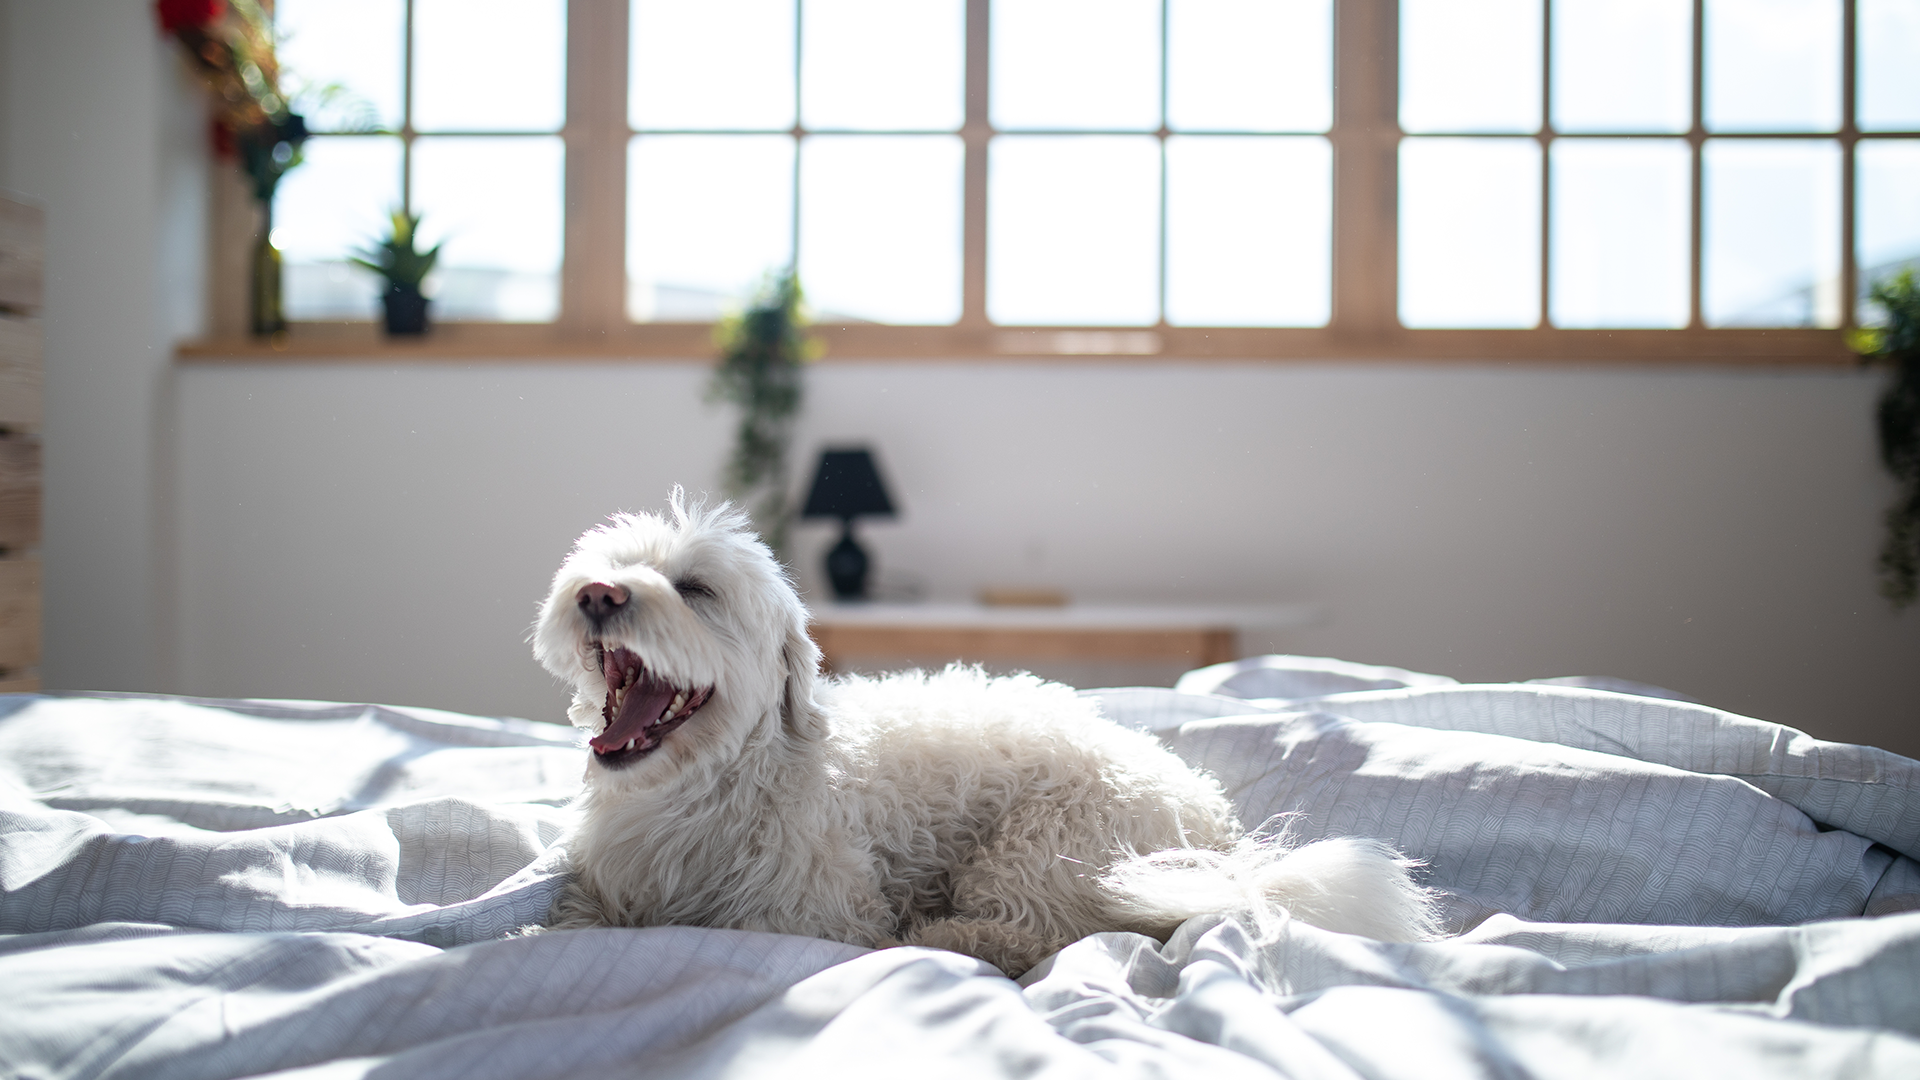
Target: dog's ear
{"type": "Point", "coordinates": [799, 712]}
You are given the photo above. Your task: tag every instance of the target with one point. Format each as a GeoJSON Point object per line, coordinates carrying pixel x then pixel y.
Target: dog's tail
{"type": "Point", "coordinates": [1347, 884]}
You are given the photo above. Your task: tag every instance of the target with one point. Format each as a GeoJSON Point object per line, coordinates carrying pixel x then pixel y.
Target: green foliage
{"type": "Point", "coordinates": [231, 45]}
{"type": "Point", "coordinates": [763, 351]}
{"type": "Point", "coordinates": [1897, 343]}
{"type": "Point", "coordinates": [270, 152]}
{"type": "Point", "coordinates": [395, 258]}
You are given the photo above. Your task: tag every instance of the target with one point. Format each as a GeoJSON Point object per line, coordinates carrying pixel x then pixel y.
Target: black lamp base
{"type": "Point", "coordinates": [847, 566]}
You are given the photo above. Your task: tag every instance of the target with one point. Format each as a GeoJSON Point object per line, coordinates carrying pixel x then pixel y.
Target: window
{"type": "Point", "coordinates": [767, 132]}
{"type": "Point", "coordinates": [1549, 172]}
{"type": "Point", "coordinates": [1134, 161]}
{"type": "Point", "coordinates": [1601, 179]}
{"type": "Point", "coordinates": [452, 109]}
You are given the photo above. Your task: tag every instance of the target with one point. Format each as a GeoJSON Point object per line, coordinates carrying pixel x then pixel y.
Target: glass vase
{"type": "Point", "coordinates": [269, 311]}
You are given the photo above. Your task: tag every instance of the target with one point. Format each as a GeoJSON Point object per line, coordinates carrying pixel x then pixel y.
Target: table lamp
{"type": "Point", "coordinates": [847, 486]}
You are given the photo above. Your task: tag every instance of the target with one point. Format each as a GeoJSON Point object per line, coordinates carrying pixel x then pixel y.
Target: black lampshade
{"type": "Point", "coordinates": [847, 485]}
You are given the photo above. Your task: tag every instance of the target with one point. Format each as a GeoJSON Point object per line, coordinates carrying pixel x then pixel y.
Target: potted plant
{"type": "Point", "coordinates": [1897, 344]}
{"type": "Point", "coordinates": [403, 267]}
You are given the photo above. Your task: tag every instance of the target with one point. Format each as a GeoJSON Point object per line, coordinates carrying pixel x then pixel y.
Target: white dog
{"type": "Point", "coordinates": [1000, 817]}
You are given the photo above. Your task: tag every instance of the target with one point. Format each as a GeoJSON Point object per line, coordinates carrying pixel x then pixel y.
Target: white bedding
{"type": "Point", "coordinates": [1647, 888]}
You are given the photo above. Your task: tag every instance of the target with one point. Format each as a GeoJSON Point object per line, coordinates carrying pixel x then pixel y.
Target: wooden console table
{"type": "Point", "coordinates": [1085, 632]}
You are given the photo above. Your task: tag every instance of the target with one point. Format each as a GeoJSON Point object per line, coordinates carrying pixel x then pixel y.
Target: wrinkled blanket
{"type": "Point", "coordinates": [1642, 887]}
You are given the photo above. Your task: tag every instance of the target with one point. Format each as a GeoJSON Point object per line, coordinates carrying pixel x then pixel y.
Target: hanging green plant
{"type": "Point", "coordinates": [1897, 343]}
{"type": "Point", "coordinates": [763, 351]}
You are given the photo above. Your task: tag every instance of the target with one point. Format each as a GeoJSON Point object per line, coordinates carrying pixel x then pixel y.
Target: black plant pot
{"type": "Point", "coordinates": [406, 310]}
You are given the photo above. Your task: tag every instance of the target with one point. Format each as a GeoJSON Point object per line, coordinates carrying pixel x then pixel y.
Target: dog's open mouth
{"type": "Point", "coordinates": [641, 710]}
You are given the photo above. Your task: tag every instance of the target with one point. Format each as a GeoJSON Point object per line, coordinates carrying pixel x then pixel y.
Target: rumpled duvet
{"type": "Point", "coordinates": [1639, 887]}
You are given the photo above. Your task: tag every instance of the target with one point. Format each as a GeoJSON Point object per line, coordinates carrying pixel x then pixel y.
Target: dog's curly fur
{"type": "Point", "coordinates": [999, 817]}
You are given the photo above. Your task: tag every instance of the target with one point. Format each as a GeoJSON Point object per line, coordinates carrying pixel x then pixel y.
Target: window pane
{"type": "Point", "coordinates": [1889, 59]}
{"type": "Point", "coordinates": [1249, 221]}
{"type": "Point", "coordinates": [352, 44]}
{"type": "Point", "coordinates": [1073, 230]}
{"type": "Point", "coordinates": [723, 64]}
{"type": "Point", "coordinates": [1470, 65]}
{"type": "Point", "coordinates": [1771, 233]}
{"type": "Point", "coordinates": [489, 65]}
{"type": "Point", "coordinates": [1622, 65]}
{"type": "Point", "coordinates": [878, 65]}
{"type": "Point", "coordinates": [880, 227]}
{"type": "Point", "coordinates": [1076, 64]}
{"type": "Point", "coordinates": [1887, 216]}
{"type": "Point", "coordinates": [1621, 232]}
{"type": "Point", "coordinates": [330, 207]}
{"type": "Point", "coordinates": [1250, 65]}
{"type": "Point", "coordinates": [496, 203]}
{"type": "Point", "coordinates": [1773, 65]}
{"type": "Point", "coordinates": [707, 217]}
{"type": "Point", "coordinates": [1470, 232]}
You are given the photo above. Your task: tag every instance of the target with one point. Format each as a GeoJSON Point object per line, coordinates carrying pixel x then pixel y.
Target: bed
{"type": "Point", "coordinates": [1639, 887]}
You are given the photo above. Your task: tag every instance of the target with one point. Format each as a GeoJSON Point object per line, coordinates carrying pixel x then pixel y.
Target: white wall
{"type": "Point", "coordinates": [385, 533]}
{"type": "Point", "coordinates": [104, 129]}
{"type": "Point", "coordinates": [367, 532]}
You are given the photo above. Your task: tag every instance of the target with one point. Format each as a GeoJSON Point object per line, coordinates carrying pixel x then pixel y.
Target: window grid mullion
{"type": "Point", "coordinates": [594, 137]}
{"type": "Point", "coordinates": [797, 133]}
{"type": "Point", "coordinates": [406, 113]}
{"type": "Point", "coordinates": [1545, 137]}
{"type": "Point", "coordinates": [1849, 139]}
{"type": "Point", "coordinates": [976, 133]}
{"type": "Point", "coordinates": [1160, 294]}
{"type": "Point", "coordinates": [1696, 142]}
{"type": "Point", "coordinates": [1365, 139]}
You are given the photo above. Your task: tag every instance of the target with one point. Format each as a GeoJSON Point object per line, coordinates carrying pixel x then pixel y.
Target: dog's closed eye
{"type": "Point", "coordinates": [692, 589]}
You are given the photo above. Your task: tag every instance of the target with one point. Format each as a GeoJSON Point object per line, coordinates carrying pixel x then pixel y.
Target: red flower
{"type": "Point", "coordinates": [178, 15]}
{"type": "Point", "coordinates": [224, 145]}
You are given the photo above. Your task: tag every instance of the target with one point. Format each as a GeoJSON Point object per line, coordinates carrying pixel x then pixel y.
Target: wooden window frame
{"type": "Point", "coordinates": [1364, 325]}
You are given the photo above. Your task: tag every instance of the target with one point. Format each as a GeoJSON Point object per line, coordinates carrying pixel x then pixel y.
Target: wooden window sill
{"type": "Point", "coordinates": [362, 342]}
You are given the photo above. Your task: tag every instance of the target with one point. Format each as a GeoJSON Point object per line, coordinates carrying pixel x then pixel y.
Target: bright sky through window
{"type": "Point", "coordinates": [1094, 212]}
{"type": "Point", "coordinates": [707, 215]}
{"type": "Point", "coordinates": [1615, 192]}
{"type": "Point", "coordinates": [1773, 65]}
{"type": "Point", "coordinates": [883, 65]}
{"type": "Point", "coordinates": [1622, 65]}
{"type": "Point", "coordinates": [1619, 223]}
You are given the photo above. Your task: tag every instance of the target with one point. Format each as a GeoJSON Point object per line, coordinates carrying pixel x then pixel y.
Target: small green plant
{"type": "Point", "coordinates": [1897, 343]}
{"type": "Point", "coordinates": [763, 351]}
{"type": "Point", "coordinates": [395, 258]}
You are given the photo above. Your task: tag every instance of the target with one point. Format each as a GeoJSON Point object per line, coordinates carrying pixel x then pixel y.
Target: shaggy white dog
{"type": "Point", "coordinates": [730, 786]}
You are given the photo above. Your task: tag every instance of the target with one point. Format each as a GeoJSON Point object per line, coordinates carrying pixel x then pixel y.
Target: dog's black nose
{"type": "Point", "coordinates": [600, 600]}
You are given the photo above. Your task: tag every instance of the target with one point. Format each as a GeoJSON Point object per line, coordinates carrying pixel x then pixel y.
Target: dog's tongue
{"type": "Point", "coordinates": [645, 701]}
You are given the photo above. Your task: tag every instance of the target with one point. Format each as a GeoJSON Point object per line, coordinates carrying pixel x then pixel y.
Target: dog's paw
{"type": "Point", "coordinates": [1004, 945]}
{"type": "Point", "coordinates": [576, 909]}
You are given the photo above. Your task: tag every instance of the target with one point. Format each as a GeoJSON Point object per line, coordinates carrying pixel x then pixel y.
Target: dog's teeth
{"type": "Point", "coordinates": [630, 744]}
{"type": "Point", "coordinates": [679, 702]}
